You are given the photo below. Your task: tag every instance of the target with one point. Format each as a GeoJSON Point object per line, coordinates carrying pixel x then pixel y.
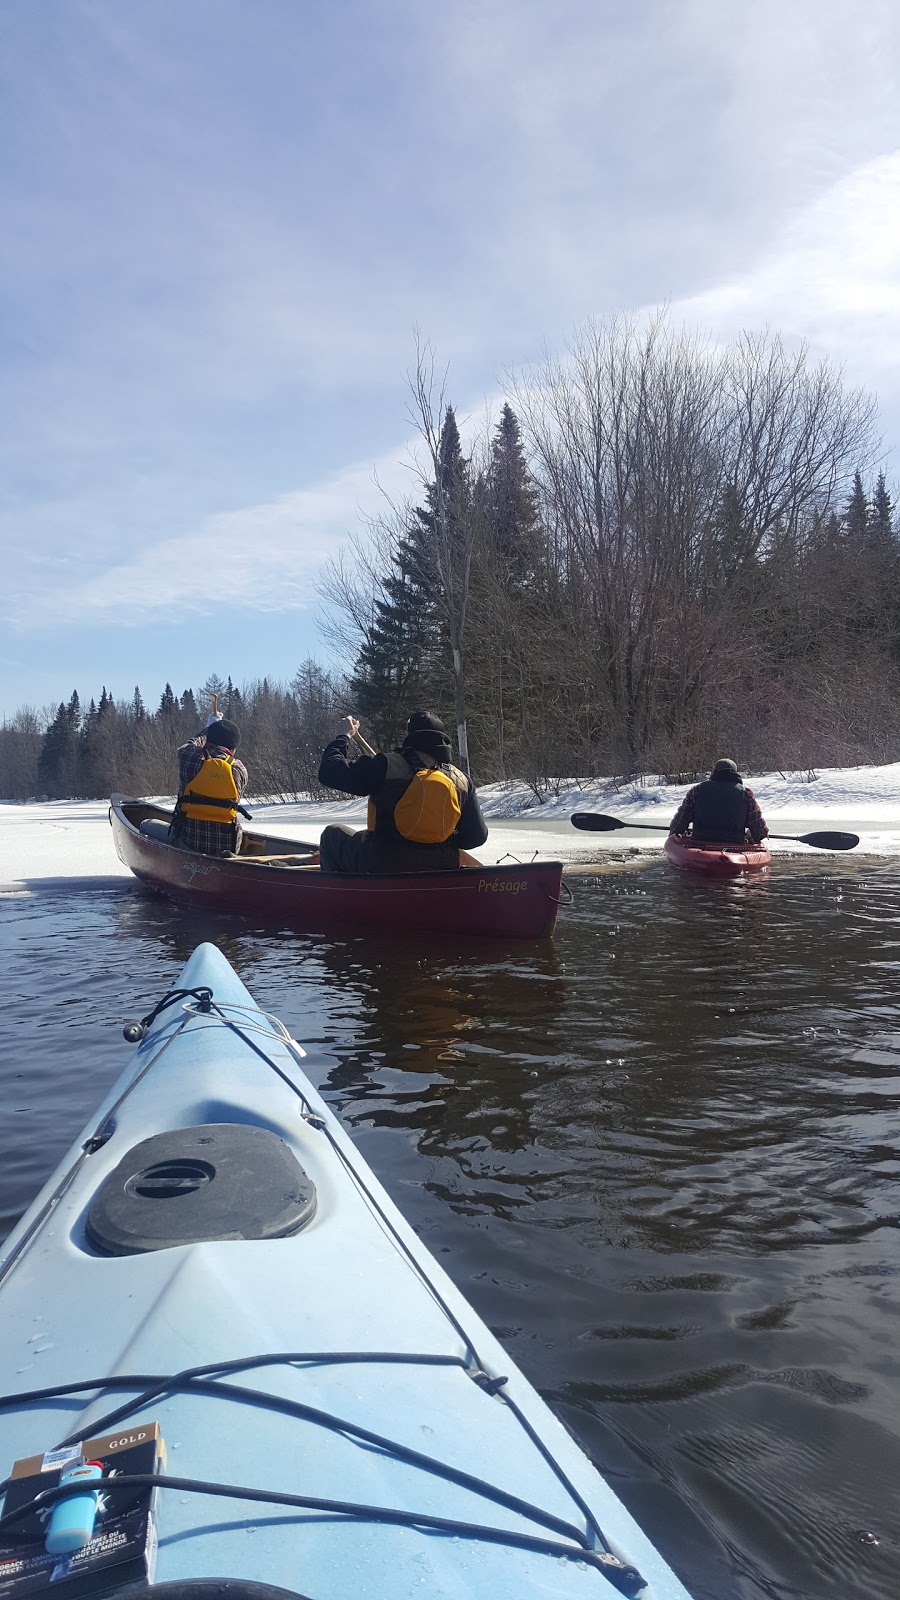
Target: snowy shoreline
{"type": "Point", "coordinates": [70, 839]}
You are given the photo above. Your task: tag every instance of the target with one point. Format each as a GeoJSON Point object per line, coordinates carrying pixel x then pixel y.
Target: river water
{"type": "Point", "coordinates": [660, 1156]}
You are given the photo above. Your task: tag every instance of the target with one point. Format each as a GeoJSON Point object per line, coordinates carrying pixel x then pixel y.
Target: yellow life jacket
{"type": "Point", "coordinates": [429, 810]}
{"type": "Point", "coordinates": [425, 805]}
{"type": "Point", "coordinates": [212, 794]}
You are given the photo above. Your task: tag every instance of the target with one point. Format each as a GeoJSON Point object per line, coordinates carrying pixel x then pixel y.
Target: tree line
{"type": "Point", "coordinates": [661, 551]}
{"type": "Point", "coordinates": [119, 746]}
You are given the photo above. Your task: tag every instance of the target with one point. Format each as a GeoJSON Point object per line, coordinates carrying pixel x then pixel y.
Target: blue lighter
{"type": "Point", "coordinates": [71, 1522]}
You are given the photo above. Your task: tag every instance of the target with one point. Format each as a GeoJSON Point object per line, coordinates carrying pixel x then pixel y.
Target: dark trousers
{"type": "Point", "coordinates": [342, 850]}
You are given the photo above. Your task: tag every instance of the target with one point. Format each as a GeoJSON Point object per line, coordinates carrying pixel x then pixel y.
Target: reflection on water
{"type": "Point", "coordinates": [660, 1156]}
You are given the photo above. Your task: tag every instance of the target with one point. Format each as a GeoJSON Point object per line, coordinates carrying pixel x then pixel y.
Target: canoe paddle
{"type": "Point", "coordinates": [596, 822]}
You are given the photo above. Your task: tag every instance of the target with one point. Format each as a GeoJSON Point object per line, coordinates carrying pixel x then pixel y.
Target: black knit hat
{"type": "Point", "coordinates": [726, 770]}
{"type": "Point", "coordinates": [224, 733]}
{"type": "Point", "coordinates": [426, 732]}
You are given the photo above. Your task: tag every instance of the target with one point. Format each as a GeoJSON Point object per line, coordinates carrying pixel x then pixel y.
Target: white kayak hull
{"type": "Point", "coordinates": [353, 1281]}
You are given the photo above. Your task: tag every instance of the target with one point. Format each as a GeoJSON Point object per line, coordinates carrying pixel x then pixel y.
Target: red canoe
{"type": "Point", "coordinates": [272, 880]}
{"type": "Point", "coordinates": [715, 860]}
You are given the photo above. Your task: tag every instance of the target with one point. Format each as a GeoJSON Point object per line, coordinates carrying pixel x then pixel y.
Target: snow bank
{"type": "Point", "coordinates": [70, 840]}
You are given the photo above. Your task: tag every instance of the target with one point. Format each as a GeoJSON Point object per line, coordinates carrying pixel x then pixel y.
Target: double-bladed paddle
{"type": "Point", "coordinates": [596, 822]}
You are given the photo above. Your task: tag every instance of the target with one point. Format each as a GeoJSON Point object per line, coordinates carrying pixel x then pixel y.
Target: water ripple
{"type": "Point", "coordinates": [660, 1157]}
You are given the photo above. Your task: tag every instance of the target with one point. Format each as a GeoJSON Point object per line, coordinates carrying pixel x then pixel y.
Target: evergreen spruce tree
{"type": "Point", "coordinates": [168, 704]}
{"type": "Point", "coordinates": [56, 772]}
{"type": "Point", "coordinates": [510, 619]}
{"type": "Point", "coordinates": [137, 706]}
{"type": "Point", "coordinates": [444, 532]}
{"type": "Point", "coordinates": [109, 749]}
{"type": "Point", "coordinates": [391, 675]}
{"type": "Point", "coordinates": [885, 566]}
{"type": "Point", "coordinates": [511, 501]}
{"type": "Point", "coordinates": [832, 531]}
{"type": "Point", "coordinates": [856, 513]}
{"type": "Point", "coordinates": [441, 523]}
{"type": "Point", "coordinates": [411, 656]}
{"type": "Point", "coordinates": [73, 711]}
{"type": "Point", "coordinates": [867, 605]}
{"type": "Point", "coordinates": [232, 702]}
{"type": "Point", "coordinates": [881, 514]}
{"type": "Point", "coordinates": [87, 742]}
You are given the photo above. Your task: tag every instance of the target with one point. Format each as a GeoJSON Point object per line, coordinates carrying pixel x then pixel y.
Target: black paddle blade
{"type": "Point", "coordinates": [831, 841]}
{"type": "Point", "coordinates": [595, 822]}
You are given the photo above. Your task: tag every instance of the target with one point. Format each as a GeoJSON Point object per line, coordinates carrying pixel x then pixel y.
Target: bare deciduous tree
{"type": "Point", "coordinates": [667, 467]}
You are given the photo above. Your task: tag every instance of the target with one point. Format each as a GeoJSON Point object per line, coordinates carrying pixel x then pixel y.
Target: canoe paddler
{"type": "Point", "coordinates": [211, 781]}
{"type": "Point", "coordinates": [422, 809]}
{"type": "Point", "coordinates": [721, 810]}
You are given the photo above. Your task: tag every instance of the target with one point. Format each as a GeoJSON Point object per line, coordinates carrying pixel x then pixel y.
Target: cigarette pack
{"type": "Point", "coordinates": [122, 1549]}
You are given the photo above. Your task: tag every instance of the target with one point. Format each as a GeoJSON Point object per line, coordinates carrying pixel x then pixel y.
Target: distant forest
{"type": "Point", "coordinates": [661, 552]}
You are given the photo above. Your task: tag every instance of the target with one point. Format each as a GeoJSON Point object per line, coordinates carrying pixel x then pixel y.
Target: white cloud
{"type": "Point", "coordinates": [833, 277]}
{"type": "Point", "coordinates": [262, 558]}
{"type": "Point", "coordinates": [832, 280]}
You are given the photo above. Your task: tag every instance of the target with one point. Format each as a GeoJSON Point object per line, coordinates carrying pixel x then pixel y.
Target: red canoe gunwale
{"type": "Point", "coordinates": [715, 860]}
{"type": "Point", "coordinates": [518, 901]}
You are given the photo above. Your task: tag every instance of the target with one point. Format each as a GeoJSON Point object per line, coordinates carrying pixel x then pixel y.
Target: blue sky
{"type": "Point", "coordinates": [222, 221]}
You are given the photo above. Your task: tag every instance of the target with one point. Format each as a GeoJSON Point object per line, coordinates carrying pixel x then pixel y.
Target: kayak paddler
{"type": "Point", "coordinates": [721, 809]}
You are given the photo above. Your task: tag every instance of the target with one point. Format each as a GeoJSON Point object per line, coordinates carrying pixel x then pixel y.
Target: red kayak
{"type": "Point", "coordinates": [716, 860]}
{"type": "Point", "coordinates": [273, 878]}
